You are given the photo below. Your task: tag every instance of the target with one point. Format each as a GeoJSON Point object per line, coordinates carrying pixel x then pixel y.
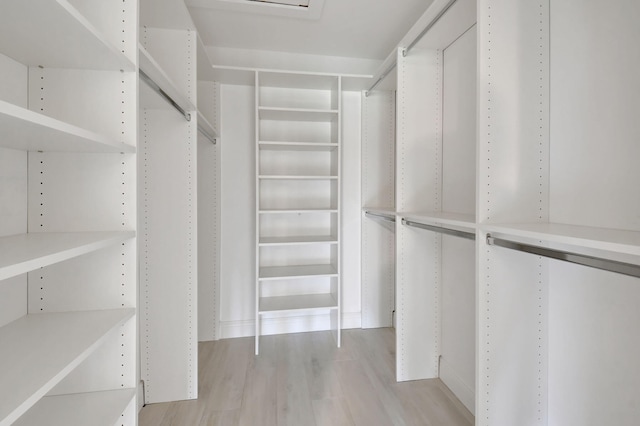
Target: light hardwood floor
{"type": "Point", "coordinates": [304, 380]}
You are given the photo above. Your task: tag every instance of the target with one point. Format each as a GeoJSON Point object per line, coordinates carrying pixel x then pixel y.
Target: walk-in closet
{"type": "Point", "coordinates": [319, 212]}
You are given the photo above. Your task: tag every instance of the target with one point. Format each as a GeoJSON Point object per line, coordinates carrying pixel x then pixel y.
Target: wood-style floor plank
{"type": "Point", "coordinates": [305, 380]}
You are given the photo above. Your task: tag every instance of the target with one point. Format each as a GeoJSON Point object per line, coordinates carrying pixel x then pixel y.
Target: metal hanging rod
{"type": "Point", "coordinates": [166, 97]}
{"type": "Point", "coordinates": [441, 229]}
{"type": "Point", "coordinates": [206, 134]}
{"type": "Point", "coordinates": [428, 27]}
{"type": "Point", "coordinates": [382, 77]}
{"type": "Point", "coordinates": [380, 216]}
{"type": "Point", "coordinates": [577, 258]}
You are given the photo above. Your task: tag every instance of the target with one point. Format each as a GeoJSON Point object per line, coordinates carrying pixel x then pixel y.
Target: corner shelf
{"type": "Point", "coordinates": [56, 343]}
{"type": "Point", "coordinates": [26, 252]}
{"type": "Point", "coordinates": [57, 36]}
{"type": "Point", "coordinates": [27, 130]}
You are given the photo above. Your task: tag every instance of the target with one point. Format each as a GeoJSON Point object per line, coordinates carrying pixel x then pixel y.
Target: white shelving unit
{"type": "Point", "coordinates": [68, 284]}
{"type": "Point", "coordinates": [298, 199]}
{"type": "Point", "coordinates": [168, 202]}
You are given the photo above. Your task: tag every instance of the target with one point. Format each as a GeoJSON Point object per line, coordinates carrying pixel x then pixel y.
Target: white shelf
{"type": "Point", "coordinates": [296, 211]}
{"type": "Point", "coordinates": [303, 302]}
{"type": "Point", "coordinates": [611, 240]}
{"type": "Point", "coordinates": [294, 177]}
{"type": "Point", "coordinates": [465, 222]}
{"type": "Point", "coordinates": [297, 114]}
{"type": "Point", "coordinates": [30, 131]}
{"type": "Point", "coordinates": [153, 69]}
{"type": "Point", "coordinates": [291, 272]}
{"type": "Point", "coordinates": [39, 350]}
{"type": "Point", "coordinates": [297, 80]}
{"type": "Point", "coordinates": [282, 241]}
{"type": "Point", "coordinates": [296, 146]}
{"type": "Point", "coordinates": [26, 252]}
{"type": "Point", "coordinates": [57, 36]}
{"type": "Point", "coordinates": [93, 408]}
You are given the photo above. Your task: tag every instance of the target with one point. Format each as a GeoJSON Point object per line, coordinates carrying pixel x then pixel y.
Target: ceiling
{"type": "Point", "coordinates": [368, 29]}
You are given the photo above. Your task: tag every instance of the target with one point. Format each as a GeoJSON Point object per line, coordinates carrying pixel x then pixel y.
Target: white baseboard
{"type": "Point", "coordinates": [465, 393]}
{"type": "Point", "coordinates": [289, 324]}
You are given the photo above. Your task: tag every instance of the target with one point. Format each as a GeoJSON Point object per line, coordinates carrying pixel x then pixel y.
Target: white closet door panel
{"type": "Point", "coordinates": [208, 239]}
{"type": "Point", "coordinates": [513, 337]}
{"type": "Point", "coordinates": [459, 126]}
{"type": "Point", "coordinates": [13, 192]}
{"type": "Point", "coordinates": [593, 346]}
{"type": "Point", "coordinates": [81, 192]}
{"type": "Point", "coordinates": [105, 279]}
{"type": "Point", "coordinates": [13, 299]}
{"type": "Point", "coordinates": [513, 97]}
{"type": "Point", "coordinates": [168, 244]}
{"type": "Point", "coordinates": [594, 124]}
{"type": "Point", "coordinates": [111, 366]}
{"type": "Point", "coordinates": [14, 76]}
{"type": "Point", "coordinates": [459, 318]}
{"type": "Point", "coordinates": [418, 303]}
{"type": "Point", "coordinates": [100, 101]}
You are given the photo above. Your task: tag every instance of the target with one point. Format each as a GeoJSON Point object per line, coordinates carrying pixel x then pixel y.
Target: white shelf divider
{"type": "Point", "coordinates": [30, 131]}
{"type": "Point", "coordinates": [292, 272]}
{"type": "Point", "coordinates": [58, 36]}
{"type": "Point", "coordinates": [25, 252]}
{"type": "Point", "coordinates": [92, 408]}
{"type": "Point", "coordinates": [281, 241]}
{"type": "Point", "coordinates": [297, 114]}
{"type": "Point", "coordinates": [297, 303]}
{"type": "Point", "coordinates": [296, 146]}
{"type": "Point", "coordinates": [56, 343]}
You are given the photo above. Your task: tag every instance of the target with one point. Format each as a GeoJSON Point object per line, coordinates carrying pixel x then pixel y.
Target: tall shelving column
{"type": "Point", "coordinates": [68, 265]}
{"type": "Point", "coordinates": [558, 342]}
{"type": "Point", "coordinates": [168, 204]}
{"type": "Point", "coordinates": [298, 167]}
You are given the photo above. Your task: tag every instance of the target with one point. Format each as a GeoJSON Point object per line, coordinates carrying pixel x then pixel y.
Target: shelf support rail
{"type": "Point", "coordinates": [206, 134]}
{"type": "Point", "coordinates": [428, 27]}
{"type": "Point", "coordinates": [577, 258]}
{"type": "Point", "coordinates": [152, 84]}
{"type": "Point", "coordinates": [440, 229]}
{"type": "Point", "coordinates": [380, 216]}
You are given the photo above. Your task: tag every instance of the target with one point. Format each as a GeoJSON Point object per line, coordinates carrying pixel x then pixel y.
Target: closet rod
{"type": "Point", "coordinates": [382, 77]}
{"type": "Point", "coordinates": [380, 216]}
{"type": "Point", "coordinates": [206, 134]}
{"type": "Point", "coordinates": [440, 229]}
{"type": "Point", "coordinates": [428, 27]}
{"type": "Point", "coordinates": [166, 97]}
{"type": "Point", "coordinates": [580, 259]}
